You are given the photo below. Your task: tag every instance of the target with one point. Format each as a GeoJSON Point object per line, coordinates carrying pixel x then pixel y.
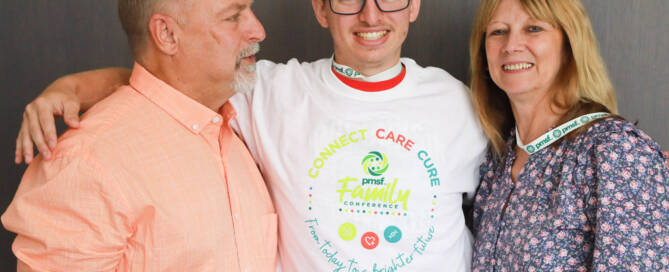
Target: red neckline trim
{"type": "Point", "coordinates": [372, 86]}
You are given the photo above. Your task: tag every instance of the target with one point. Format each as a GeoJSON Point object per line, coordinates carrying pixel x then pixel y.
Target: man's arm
{"type": "Point", "coordinates": [64, 97]}
{"type": "Point", "coordinates": [69, 215]}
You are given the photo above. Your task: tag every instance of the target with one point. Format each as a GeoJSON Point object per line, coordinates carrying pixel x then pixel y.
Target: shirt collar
{"type": "Point", "coordinates": [382, 76]}
{"type": "Point", "coordinates": [366, 86]}
{"type": "Point", "coordinates": [190, 113]}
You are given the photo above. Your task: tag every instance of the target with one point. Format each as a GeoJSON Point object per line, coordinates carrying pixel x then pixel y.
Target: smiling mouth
{"type": "Point", "coordinates": [517, 66]}
{"type": "Point", "coordinates": [371, 36]}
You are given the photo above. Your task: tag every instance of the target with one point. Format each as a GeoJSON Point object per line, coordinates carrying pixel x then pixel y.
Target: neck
{"type": "Point", "coordinates": [367, 68]}
{"type": "Point", "coordinates": [534, 116]}
{"type": "Point", "coordinates": [190, 83]}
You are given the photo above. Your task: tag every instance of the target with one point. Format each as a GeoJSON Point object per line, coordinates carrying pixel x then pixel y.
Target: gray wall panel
{"type": "Point", "coordinates": [633, 39]}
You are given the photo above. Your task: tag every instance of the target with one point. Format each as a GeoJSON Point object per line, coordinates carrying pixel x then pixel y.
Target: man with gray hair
{"type": "Point", "coordinates": [154, 179]}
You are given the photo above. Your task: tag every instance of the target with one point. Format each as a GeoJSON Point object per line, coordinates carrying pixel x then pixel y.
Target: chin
{"type": "Point", "coordinates": [245, 79]}
{"type": "Point", "coordinates": [513, 86]}
{"type": "Point", "coordinates": [374, 56]}
{"type": "Point", "coordinates": [519, 92]}
{"type": "Point", "coordinates": [513, 91]}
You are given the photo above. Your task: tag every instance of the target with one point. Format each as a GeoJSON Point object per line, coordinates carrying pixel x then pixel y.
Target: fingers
{"type": "Point", "coordinates": [24, 143]}
{"type": "Point", "coordinates": [71, 114]}
{"type": "Point", "coordinates": [18, 153]}
{"type": "Point", "coordinates": [35, 132]}
{"type": "Point", "coordinates": [48, 126]}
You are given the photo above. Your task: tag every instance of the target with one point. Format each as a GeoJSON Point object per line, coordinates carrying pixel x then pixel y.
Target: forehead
{"type": "Point", "coordinates": [509, 10]}
{"type": "Point", "coordinates": [529, 10]}
{"type": "Point", "coordinates": [217, 6]}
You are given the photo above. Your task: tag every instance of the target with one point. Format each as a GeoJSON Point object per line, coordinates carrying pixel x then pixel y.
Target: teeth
{"type": "Point", "coordinates": [518, 66]}
{"type": "Point", "coordinates": [371, 35]}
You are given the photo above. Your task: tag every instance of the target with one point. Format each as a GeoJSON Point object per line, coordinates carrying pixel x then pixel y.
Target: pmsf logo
{"type": "Point", "coordinates": [375, 163]}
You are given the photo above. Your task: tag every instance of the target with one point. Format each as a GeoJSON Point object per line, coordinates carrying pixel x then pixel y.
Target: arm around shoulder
{"type": "Point", "coordinates": [64, 97]}
{"type": "Point", "coordinates": [92, 86]}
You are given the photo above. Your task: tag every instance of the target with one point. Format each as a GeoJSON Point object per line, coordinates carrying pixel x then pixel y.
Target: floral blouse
{"type": "Point", "coordinates": [595, 203]}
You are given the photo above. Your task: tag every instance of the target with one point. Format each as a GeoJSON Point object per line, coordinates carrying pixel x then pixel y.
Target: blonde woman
{"type": "Point", "coordinates": [567, 185]}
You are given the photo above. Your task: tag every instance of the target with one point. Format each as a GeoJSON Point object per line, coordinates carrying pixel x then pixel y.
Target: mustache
{"type": "Point", "coordinates": [249, 51]}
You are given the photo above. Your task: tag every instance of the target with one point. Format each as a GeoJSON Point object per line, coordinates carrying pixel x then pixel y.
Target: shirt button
{"type": "Point", "coordinates": [216, 120]}
{"type": "Point", "coordinates": [195, 127]}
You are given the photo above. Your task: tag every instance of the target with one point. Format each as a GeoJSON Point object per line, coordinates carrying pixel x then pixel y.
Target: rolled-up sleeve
{"type": "Point", "coordinates": [68, 216]}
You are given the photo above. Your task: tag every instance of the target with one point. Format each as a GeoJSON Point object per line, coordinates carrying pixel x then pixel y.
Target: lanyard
{"type": "Point", "coordinates": [353, 74]}
{"type": "Point", "coordinates": [555, 134]}
{"type": "Point", "coordinates": [346, 71]}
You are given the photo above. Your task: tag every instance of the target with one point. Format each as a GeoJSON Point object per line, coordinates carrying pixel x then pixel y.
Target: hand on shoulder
{"type": "Point", "coordinates": [39, 126]}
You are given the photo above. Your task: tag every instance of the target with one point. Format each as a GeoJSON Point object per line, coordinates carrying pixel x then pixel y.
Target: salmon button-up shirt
{"type": "Point", "coordinates": [152, 181]}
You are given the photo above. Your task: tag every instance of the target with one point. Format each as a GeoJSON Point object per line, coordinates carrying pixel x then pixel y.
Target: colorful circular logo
{"type": "Point", "coordinates": [370, 240]}
{"type": "Point", "coordinates": [557, 133]}
{"type": "Point", "coordinates": [375, 163]}
{"type": "Point", "coordinates": [392, 234]}
{"type": "Point", "coordinates": [347, 231]}
{"type": "Point", "coordinates": [585, 119]}
{"type": "Point", "coordinates": [530, 149]}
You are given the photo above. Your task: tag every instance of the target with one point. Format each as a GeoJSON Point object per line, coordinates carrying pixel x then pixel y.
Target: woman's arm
{"type": "Point", "coordinates": [631, 204]}
{"type": "Point", "coordinates": [64, 97]}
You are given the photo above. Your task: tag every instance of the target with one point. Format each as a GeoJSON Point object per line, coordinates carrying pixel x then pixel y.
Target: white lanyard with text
{"type": "Point", "coordinates": [382, 76]}
{"type": "Point", "coordinates": [346, 71]}
{"type": "Point", "coordinates": [555, 134]}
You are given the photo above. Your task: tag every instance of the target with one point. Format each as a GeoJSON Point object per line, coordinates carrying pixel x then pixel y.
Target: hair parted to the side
{"type": "Point", "coordinates": [584, 82]}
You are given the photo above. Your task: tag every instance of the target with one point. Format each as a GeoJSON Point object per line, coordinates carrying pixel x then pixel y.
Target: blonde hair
{"type": "Point", "coordinates": [587, 87]}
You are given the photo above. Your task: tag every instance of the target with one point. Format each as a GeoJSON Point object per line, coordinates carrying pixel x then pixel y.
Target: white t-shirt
{"type": "Point", "coordinates": [364, 181]}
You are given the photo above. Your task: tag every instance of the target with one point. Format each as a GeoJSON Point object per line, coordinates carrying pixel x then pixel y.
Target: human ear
{"type": "Point", "coordinates": [164, 34]}
{"type": "Point", "coordinates": [321, 11]}
{"type": "Point", "coordinates": [414, 10]}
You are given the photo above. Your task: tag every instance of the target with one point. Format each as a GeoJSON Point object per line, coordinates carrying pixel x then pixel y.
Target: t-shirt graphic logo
{"type": "Point", "coordinates": [375, 163]}
{"type": "Point", "coordinates": [363, 215]}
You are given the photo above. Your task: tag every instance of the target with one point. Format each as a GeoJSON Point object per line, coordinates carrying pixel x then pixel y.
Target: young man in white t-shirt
{"type": "Point", "coordinates": [367, 155]}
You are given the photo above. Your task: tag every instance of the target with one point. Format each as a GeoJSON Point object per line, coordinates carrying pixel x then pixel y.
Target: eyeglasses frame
{"type": "Point", "coordinates": [362, 7]}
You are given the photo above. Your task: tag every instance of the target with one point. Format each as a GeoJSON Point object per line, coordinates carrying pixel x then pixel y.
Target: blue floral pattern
{"type": "Point", "coordinates": [597, 202]}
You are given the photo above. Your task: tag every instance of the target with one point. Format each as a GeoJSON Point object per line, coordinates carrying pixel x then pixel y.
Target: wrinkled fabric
{"type": "Point", "coordinates": [152, 181]}
{"type": "Point", "coordinates": [595, 203]}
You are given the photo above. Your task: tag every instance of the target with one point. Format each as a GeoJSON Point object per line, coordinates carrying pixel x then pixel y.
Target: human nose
{"type": "Point", "coordinates": [515, 42]}
{"type": "Point", "coordinates": [256, 30]}
{"type": "Point", "coordinates": [370, 12]}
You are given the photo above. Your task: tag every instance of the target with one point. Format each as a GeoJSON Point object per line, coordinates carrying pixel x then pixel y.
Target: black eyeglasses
{"type": "Point", "coordinates": [352, 7]}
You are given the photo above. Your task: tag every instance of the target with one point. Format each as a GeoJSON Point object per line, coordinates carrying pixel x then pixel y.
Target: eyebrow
{"type": "Point", "coordinates": [233, 7]}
